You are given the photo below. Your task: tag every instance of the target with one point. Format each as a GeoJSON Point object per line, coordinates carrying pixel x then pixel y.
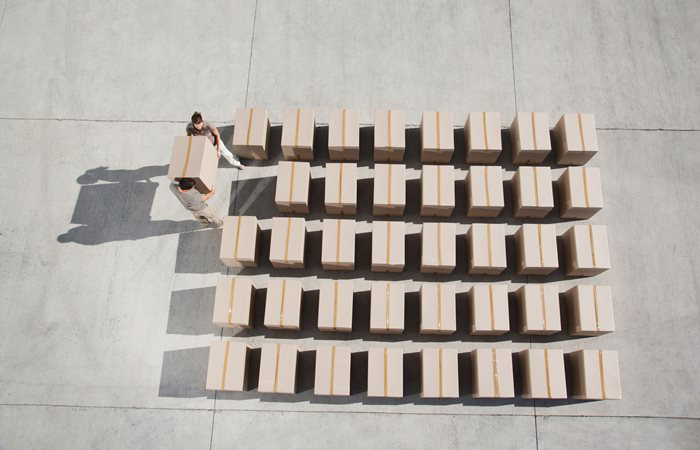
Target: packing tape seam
{"type": "Point", "coordinates": [388, 305]}
{"type": "Point", "coordinates": [486, 185]}
{"type": "Point", "coordinates": [546, 371]}
{"type": "Point", "coordinates": [286, 240]}
{"type": "Point", "coordinates": [534, 134]}
{"type": "Point", "coordinates": [595, 307]}
{"type": "Point", "coordinates": [332, 368]}
{"type": "Point", "coordinates": [385, 372]}
{"type": "Point", "coordinates": [223, 374]}
{"type": "Point", "coordinates": [440, 369]}
{"type": "Point", "coordinates": [250, 127]}
{"type": "Point", "coordinates": [544, 308]}
{"type": "Point", "coordinates": [488, 239]}
{"type": "Point", "coordinates": [231, 298]}
{"type": "Point", "coordinates": [602, 375]}
{"type": "Point", "coordinates": [486, 135]}
{"type": "Point", "coordinates": [496, 387]}
{"type": "Point", "coordinates": [284, 291]}
{"type": "Point", "coordinates": [238, 233]}
{"type": "Point", "coordinates": [585, 187]}
{"type": "Point", "coordinates": [187, 156]}
{"type": "Point", "coordinates": [537, 190]}
{"type": "Point", "coordinates": [277, 367]}
{"type": "Point", "coordinates": [491, 308]}
{"type": "Point", "coordinates": [335, 303]}
{"type": "Point", "coordinates": [580, 132]}
{"type": "Point", "coordinates": [439, 308]}
{"type": "Point", "coordinates": [590, 236]}
{"type": "Point", "coordinates": [539, 243]}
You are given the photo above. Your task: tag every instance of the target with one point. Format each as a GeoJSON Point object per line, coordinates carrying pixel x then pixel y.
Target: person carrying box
{"type": "Point", "coordinates": [200, 127]}
{"type": "Point", "coordinates": [195, 202]}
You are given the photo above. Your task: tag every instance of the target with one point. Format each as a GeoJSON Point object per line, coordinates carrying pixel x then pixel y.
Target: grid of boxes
{"type": "Point", "coordinates": [595, 372]}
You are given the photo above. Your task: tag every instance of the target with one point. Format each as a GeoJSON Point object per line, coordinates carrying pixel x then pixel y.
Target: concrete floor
{"type": "Point", "coordinates": [108, 285]}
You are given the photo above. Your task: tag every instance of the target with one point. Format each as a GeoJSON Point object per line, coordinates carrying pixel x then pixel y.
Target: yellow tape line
{"type": "Point", "coordinates": [440, 369]}
{"type": "Point", "coordinates": [385, 371]}
{"type": "Point", "coordinates": [493, 327]}
{"type": "Point", "coordinates": [602, 376]}
{"type": "Point", "coordinates": [439, 249]}
{"type": "Point", "coordinates": [388, 305]}
{"type": "Point", "coordinates": [544, 309]}
{"type": "Point", "coordinates": [340, 187]}
{"type": "Point", "coordinates": [337, 243]}
{"type": "Point", "coordinates": [388, 242]}
{"type": "Point", "coordinates": [277, 367]}
{"type": "Point", "coordinates": [223, 375]}
{"type": "Point", "coordinates": [580, 132]}
{"type": "Point", "coordinates": [332, 367]}
{"type": "Point", "coordinates": [537, 190]}
{"type": "Point", "coordinates": [488, 237]}
{"type": "Point", "coordinates": [534, 135]}
{"type": "Point", "coordinates": [496, 387]}
{"type": "Point", "coordinates": [539, 243]}
{"type": "Point", "coordinates": [335, 303]}
{"type": "Point", "coordinates": [595, 307]}
{"type": "Point", "coordinates": [284, 289]}
{"type": "Point", "coordinates": [238, 233]}
{"type": "Point", "coordinates": [231, 298]}
{"type": "Point", "coordinates": [187, 156]}
{"type": "Point", "coordinates": [439, 185]}
{"type": "Point", "coordinates": [546, 371]}
{"type": "Point", "coordinates": [250, 127]}
{"type": "Point", "coordinates": [486, 135]}
{"type": "Point", "coordinates": [585, 186]}
{"type": "Point", "coordinates": [286, 240]}
{"type": "Point", "coordinates": [486, 185]}
{"type": "Point", "coordinates": [590, 235]}
{"type": "Point", "coordinates": [388, 201]}
{"type": "Point", "coordinates": [439, 308]}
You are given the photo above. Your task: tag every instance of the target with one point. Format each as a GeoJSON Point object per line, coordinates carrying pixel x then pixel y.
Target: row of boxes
{"type": "Point", "coordinates": [580, 190]}
{"type": "Point", "coordinates": [595, 373]}
{"type": "Point", "coordinates": [586, 246]}
{"type": "Point", "coordinates": [590, 307]}
{"type": "Point", "coordinates": [575, 136]}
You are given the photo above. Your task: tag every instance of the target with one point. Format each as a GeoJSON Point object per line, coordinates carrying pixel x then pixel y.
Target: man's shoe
{"type": "Point", "coordinates": [237, 164]}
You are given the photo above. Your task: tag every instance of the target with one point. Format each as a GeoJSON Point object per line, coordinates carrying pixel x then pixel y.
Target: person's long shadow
{"type": "Point", "coordinates": [119, 207]}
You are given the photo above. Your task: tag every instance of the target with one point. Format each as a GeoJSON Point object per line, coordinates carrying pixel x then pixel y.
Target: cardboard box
{"type": "Point", "coordinates": [537, 249]}
{"type": "Point", "coordinates": [576, 139]}
{"type": "Point", "coordinates": [590, 310]}
{"type": "Point", "coordinates": [233, 302]}
{"type": "Point", "coordinates": [388, 246]}
{"type": "Point", "coordinates": [283, 304]}
{"type": "Point", "coordinates": [437, 190]}
{"type": "Point", "coordinates": [278, 369]}
{"type": "Point", "coordinates": [332, 371]}
{"type": "Point", "coordinates": [287, 242]}
{"type": "Point", "coordinates": [292, 189]}
{"type": "Point", "coordinates": [239, 241]}
{"type": "Point", "coordinates": [539, 309]}
{"type": "Point", "coordinates": [338, 245]}
{"type": "Point", "coordinates": [387, 304]}
{"type": "Point", "coordinates": [580, 192]}
{"type": "Point", "coordinates": [385, 372]}
{"type": "Point", "coordinates": [389, 135]}
{"type": "Point", "coordinates": [228, 364]}
{"type": "Point", "coordinates": [587, 250]}
{"type": "Point", "coordinates": [492, 373]}
{"type": "Point", "coordinates": [344, 135]}
{"type": "Point", "coordinates": [488, 310]}
{"type": "Point", "coordinates": [543, 373]}
{"type": "Point", "coordinates": [335, 305]}
{"type": "Point", "coordinates": [298, 134]}
{"type": "Point", "coordinates": [484, 191]}
{"type": "Point", "coordinates": [533, 196]}
{"type": "Point", "coordinates": [438, 247]}
{"type": "Point", "coordinates": [529, 137]}
{"type": "Point", "coordinates": [251, 135]}
{"type": "Point", "coordinates": [596, 375]}
{"type": "Point", "coordinates": [438, 313]}
{"type": "Point", "coordinates": [439, 373]}
{"type": "Point", "coordinates": [486, 248]}
{"type": "Point", "coordinates": [194, 157]}
{"type": "Point", "coordinates": [437, 137]}
{"type": "Point", "coordinates": [341, 188]}
{"type": "Point", "coordinates": [482, 132]}
{"type": "Point", "coordinates": [389, 189]}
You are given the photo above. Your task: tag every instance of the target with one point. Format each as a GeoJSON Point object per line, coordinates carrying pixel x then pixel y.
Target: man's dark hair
{"type": "Point", "coordinates": [196, 118]}
{"type": "Point", "coordinates": [186, 183]}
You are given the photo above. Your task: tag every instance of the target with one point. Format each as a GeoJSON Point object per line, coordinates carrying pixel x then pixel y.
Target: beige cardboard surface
{"type": "Point", "coordinates": [385, 372]}
{"type": "Point", "coordinates": [580, 192]}
{"type": "Point", "coordinates": [488, 309]}
{"type": "Point", "coordinates": [483, 135]}
{"type": "Point", "coordinates": [194, 157]}
{"type": "Point", "coordinates": [438, 247]}
{"type": "Point", "coordinates": [542, 373]}
{"type": "Point", "coordinates": [227, 368]}
{"type": "Point", "coordinates": [335, 305]}
{"type": "Point", "coordinates": [389, 189]}
{"type": "Point", "coordinates": [596, 375]}
{"type": "Point", "coordinates": [587, 250]}
{"type": "Point", "coordinates": [437, 190]}
{"type": "Point", "coordinates": [332, 375]}
{"type": "Point", "coordinates": [389, 135]}
{"type": "Point", "coordinates": [287, 242]}
{"type": "Point", "coordinates": [278, 368]}
{"type": "Point", "coordinates": [251, 134]}
{"type": "Point", "coordinates": [529, 136]}
{"type": "Point", "coordinates": [388, 246]}
{"type": "Point", "coordinates": [439, 373]}
{"type": "Point", "coordinates": [438, 313]}
{"type": "Point", "coordinates": [283, 304]}
{"type": "Point", "coordinates": [387, 305]}
{"type": "Point", "coordinates": [486, 248]}
{"type": "Point", "coordinates": [537, 249]}
{"type": "Point", "coordinates": [298, 132]}
{"type": "Point", "coordinates": [492, 373]}
{"type": "Point", "coordinates": [239, 241]}
{"type": "Point", "coordinates": [590, 310]}
{"type": "Point", "coordinates": [233, 302]}
{"type": "Point", "coordinates": [484, 191]}
{"type": "Point", "coordinates": [344, 135]}
{"type": "Point", "coordinates": [533, 196]}
{"type": "Point", "coordinates": [539, 309]}
{"type": "Point", "coordinates": [437, 136]}
{"type": "Point", "coordinates": [576, 138]}
{"type": "Point", "coordinates": [338, 244]}
{"type": "Point", "coordinates": [341, 188]}
{"type": "Point", "coordinates": [292, 188]}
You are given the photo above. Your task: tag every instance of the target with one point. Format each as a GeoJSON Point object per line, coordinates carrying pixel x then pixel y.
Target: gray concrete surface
{"type": "Point", "coordinates": [106, 307]}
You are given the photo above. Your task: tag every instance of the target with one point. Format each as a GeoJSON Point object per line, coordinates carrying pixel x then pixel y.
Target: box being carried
{"type": "Point", "coordinates": [194, 157]}
{"type": "Point", "coordinates": [437, 137]}
{"type": "Point", "coordinates": [387, 304]}
{"type": "Point", "coordinates": [596, 375]}
{"type": "Point", "coordinates": [580, 192]}
{"type": "Point", "coordinates": [484, 191]}
{"type": "Point", "coordinates": [532, 192]}
{"type": "Point", "coordinates": [492, 373]}
{"type": "Point", "coordinates": [437, 190]}
{"type": "Point", "coordinates": [332, 371]}
{"type": "Point", "coordinates": [344, 135]}
{"type": "Point", "coordinates": [233, 302]}
{"type": "Point", "coordinates": [577, 141]}
{"type": "Point", "coordinates": [335, 305]}
{"type": "Point", "coordinates": [389, 189]}
{"type": "Point", "coordinates": [292, 189]}
{"type": "Point", "coordinates": [483, 134]}
{"type": "Point", "coordinates": [228, 364]}
{"type": "Point", "coordinates": [529, 136]}
{"type": "Point", "coordinates": [287, 242]}
{"type": "Point", "coordinates": [438, 252]}
{"type": "Point", "coordinates": [439, 373]}
{"type": "Point", "coordinates": [239, 241]}
{"type": "Point", "coordinates": [298, 134]}
{"type": "Point", "coordinates": [385, 372]}
{"type": "Point", "coordinates": [388, 246]}
{"type": "Point", "coordinates": [488, 310]}
{"type": "Point", "coordinates": [278, 369]}
{"type": "Point", "coordinates": [537, 249]}
{"type": "Point", "coordinates": [587, 248]}
{"type": "Point", "coordinates": [338, 244]}
{"type": "Point", "coordinates": [486, 248]}
{"type": "Point", "coordinates": [539, 309]}
{"type": "Point", "coordinates": [438, 314]}
{"type": "Point", "coordinates": [252, 133]}
{"type": "Point", "coordinates": [341, 188]}
{"type": "Point", "coordinates": [389, 135]}
{"type": "Point", "coordinates": [283, 304]}
{"type": "Point", "coordinates": [543, 373]}
{"type": "Point", "coordinates": [590, 310]}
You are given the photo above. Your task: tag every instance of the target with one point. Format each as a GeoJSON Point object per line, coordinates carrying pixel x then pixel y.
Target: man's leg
{"type": "Point", "coordinates": [230, 157]}
{"type": "Point", "coordinates": [207, 216]}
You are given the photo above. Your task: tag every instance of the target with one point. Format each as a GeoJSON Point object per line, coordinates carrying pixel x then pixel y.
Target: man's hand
{"type": "Point", "coordinates": [206, 197]}
{"type": "Point", "coordinates": [218, 152]}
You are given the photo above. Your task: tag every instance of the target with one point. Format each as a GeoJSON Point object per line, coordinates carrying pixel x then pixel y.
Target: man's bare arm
{"type": "Point", "coordinates": [206, 197]}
